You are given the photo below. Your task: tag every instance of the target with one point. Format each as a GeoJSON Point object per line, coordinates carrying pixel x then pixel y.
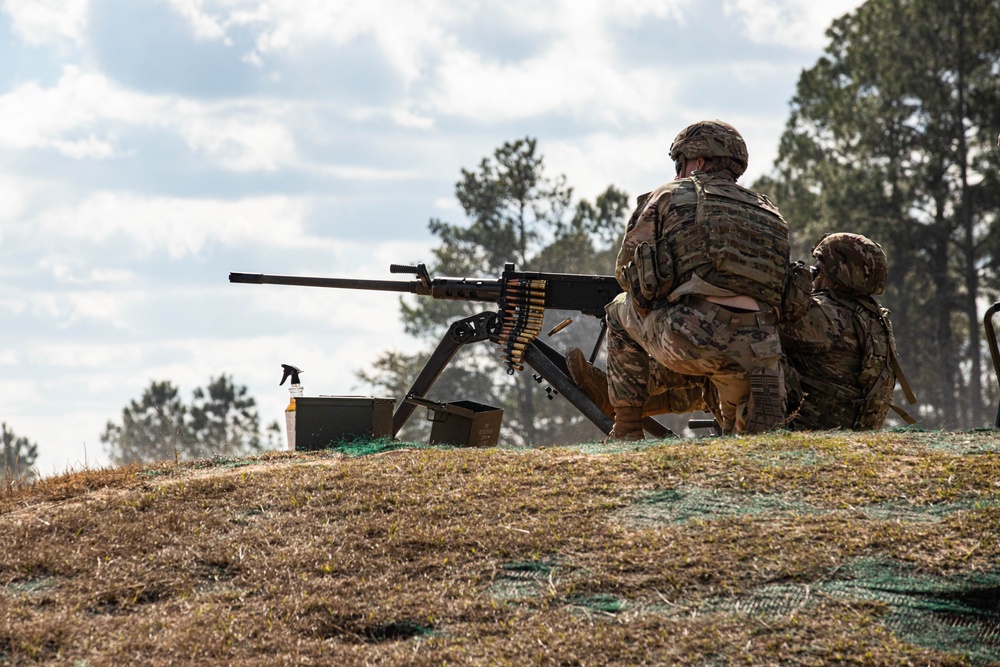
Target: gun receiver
{"type": "Point", "coordinates": [522, 297]}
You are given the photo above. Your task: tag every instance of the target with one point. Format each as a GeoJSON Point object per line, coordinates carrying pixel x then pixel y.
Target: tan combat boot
{"type": "Point", "coordinates": [592, 381]}
{"type": "Point", "coordinates": [628, 424]}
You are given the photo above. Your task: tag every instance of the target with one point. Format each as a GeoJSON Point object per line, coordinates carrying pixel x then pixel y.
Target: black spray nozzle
{"type": "Point", "coordinates": [290, 371]}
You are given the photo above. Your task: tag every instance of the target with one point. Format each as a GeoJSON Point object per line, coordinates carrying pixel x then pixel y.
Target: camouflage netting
{"type": "Point", "coordinates": [958, 614]}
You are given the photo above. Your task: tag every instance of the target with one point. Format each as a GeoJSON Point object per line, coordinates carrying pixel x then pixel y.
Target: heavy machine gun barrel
{"type": "Point", "coordinates": [460, 289]}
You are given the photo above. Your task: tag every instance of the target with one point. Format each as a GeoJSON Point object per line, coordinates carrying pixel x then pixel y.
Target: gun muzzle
{"type": "Point", "coordinates": [255, 278]}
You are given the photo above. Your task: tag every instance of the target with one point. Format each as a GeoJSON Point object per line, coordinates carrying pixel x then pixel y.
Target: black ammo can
{"type": "Point", "coordinates": [462, 423]}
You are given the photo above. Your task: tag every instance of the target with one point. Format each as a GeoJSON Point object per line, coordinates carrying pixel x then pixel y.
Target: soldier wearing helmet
{"type": "Point", "coordinates": [841, 364]}
{"type": "Point", "coordinates": [703, 263]}
{"type": "Point", "coordinates": [841, 354]}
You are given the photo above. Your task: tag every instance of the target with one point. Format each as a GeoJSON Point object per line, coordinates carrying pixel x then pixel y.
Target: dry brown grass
{"type": "Point", "coordinates": [402, 557]}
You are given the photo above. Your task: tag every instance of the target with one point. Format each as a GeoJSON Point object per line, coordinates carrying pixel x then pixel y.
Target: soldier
{"type": "Point", "coordinates": [841, 353]}
{"type": "Point", "coordinates": [841, 356]}
{"type": "Point", "coordinates": [703, 263]}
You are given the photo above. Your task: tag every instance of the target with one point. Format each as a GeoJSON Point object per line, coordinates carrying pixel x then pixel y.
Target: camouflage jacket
{"type": "Point", "coordinates": [841, 355]}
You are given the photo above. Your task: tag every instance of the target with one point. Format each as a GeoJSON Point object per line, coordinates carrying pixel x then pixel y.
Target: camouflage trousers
{"type": "Point", "coordinates": [693, 339]}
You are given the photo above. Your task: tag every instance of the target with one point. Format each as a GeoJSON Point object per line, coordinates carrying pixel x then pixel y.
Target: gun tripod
{"type": "Point", "coordinates": [548, 364]}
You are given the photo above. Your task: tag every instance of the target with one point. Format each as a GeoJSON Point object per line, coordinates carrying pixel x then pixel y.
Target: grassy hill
{"type": "Point", "coordinates": [787, 549]}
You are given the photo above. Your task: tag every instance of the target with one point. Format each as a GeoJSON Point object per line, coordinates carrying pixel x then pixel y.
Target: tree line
{"type": "Point", "coordinates": [221, 419]}
{"type": "Point", "coordinates": [892, 134]}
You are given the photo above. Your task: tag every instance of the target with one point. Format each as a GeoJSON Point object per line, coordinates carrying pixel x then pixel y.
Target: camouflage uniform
{"type": "Point", "coordinates": [841, 364]}
{"type": "Point", "coordinates": [842, 352]}
{"type": "Point", "coordinates": [692, 238]}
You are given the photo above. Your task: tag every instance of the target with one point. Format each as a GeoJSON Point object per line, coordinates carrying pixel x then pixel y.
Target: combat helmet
{"type": "Point", "coordinates": [711, 138]}
{"type": "Point", "coordinates": [853, 263]}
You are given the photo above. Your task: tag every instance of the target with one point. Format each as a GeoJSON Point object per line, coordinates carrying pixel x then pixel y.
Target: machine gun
{"type": "Point", "coordinates": [522, 297]}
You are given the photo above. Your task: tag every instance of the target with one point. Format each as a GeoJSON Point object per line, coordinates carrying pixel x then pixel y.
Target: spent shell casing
{"type": "Point", "coordinates": [559, 327]}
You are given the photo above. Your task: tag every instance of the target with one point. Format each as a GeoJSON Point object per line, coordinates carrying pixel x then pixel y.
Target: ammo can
{"type": "Point", "coordinates": [323, 421]}
{"type": "Point", "coordinates": [462, 423]}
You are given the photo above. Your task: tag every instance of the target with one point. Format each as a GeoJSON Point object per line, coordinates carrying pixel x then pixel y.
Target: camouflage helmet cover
{"type": "Point", "coordinates": [853, 263]}
{"type": "Point", "coordinates": [710, 138]}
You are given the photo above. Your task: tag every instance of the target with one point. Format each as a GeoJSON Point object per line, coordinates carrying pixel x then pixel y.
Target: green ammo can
{"type": "Point", "coordinates": [324, 420]}
{"type": "Point", "coordinates": [462, 423]}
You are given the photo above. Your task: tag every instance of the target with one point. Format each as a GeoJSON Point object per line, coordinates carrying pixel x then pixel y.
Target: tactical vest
{"type": "Point", "coordinates": [738, 241]}
{"type": "Point", "coordinates": [846, 395]}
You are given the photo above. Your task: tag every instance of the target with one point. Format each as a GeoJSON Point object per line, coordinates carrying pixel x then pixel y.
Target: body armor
{"type": "Point", "coordinates": [738, 241]}
{"type": "Point", "coordinates": [843, 389]}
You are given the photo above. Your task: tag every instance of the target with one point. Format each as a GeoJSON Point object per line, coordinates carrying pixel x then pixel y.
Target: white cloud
{"type": "Point", "coordinates": [241, 144]}
{"type": "Point", "coordinates": [179, 227]}
{"type": "Point", "coordinates": [93, 306]}
{"type": "Point", "coordinates": [41, 22]}
{"type": "Point", "coordinates": [205, 25]}
{"type": "Point", "coordinates": [14, 195]}
{"type": "Point", "coordinates": [68, 270]}
{"type": "Point", "coordinates": [577, 77]}
{"type": "Point", "coordinates": [789, 22]}
{"type": "Point", "coordinates": [405, 31]}
{"type": "Point", "coordinates": [422, 32]}
{"type": "Point", "coordinates": [84, 114]}
{"type": "Point", "coordinates": [33, 117]}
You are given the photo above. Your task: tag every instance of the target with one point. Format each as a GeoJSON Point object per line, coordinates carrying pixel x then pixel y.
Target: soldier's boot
{"type": "Point", "coordinates": [628, 424]}
{"type": "Point", "coordinates": [766, 409]}
{"type": "Point", "coordinates": [591, 380]}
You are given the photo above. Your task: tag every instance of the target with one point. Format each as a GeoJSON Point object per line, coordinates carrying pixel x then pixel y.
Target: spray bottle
{"type": "Point", "coordinates": [294, 390]}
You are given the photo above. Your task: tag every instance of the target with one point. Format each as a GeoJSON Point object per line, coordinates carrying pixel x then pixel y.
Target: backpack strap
{"type": "Point", "coordinates": [903, 383]}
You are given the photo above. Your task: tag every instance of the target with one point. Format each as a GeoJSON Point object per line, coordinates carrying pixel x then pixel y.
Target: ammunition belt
{"type": "Point", "coordinates": [522, 308]}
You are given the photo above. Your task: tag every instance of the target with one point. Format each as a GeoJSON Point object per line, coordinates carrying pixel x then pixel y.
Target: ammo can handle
{"type": "Point", "coordinates": [438, 408]}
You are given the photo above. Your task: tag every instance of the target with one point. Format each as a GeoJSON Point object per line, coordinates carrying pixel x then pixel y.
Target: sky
{"type": "Point", "coordinates": [150, 147]}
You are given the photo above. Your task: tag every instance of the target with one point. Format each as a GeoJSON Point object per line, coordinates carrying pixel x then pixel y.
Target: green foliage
{"type": "Point", "coordinates": [892, 135]}
{"type": "Point", "coordinates": [224, 418]}
{"type": "Point", "coordinates": [516, 214]}
{"type": "Point", "coordinates": [220, 421]}
{"type": "Point", "coordinates": [19, 456]}
{"type": "Point", "coordinates": [155, 428]}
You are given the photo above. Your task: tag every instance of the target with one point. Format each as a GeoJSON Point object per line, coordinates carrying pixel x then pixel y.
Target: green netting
{"type": "Point", "coordinates": [976, 441]}
{"type": "Point", "coordinates": [364, 447]}
{"type": "Point", "coordinates": [958, 614]}
{"type": "Point", "coordinates": [903, 511]}
{"type": "Point", "coordinates": [606, 604]}
{"type": "Point", "coordinates": [30, 586]}
{"type": "Point", "coordinates": [686, 503]}
{"type": "Point", "coordinates": [689, 503]}
{"type": "Point", "coordinates": [522, 579]}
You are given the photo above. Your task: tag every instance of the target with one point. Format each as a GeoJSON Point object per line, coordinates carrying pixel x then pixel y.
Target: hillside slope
{"type": "Point", "coordinates": [787, 549]}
